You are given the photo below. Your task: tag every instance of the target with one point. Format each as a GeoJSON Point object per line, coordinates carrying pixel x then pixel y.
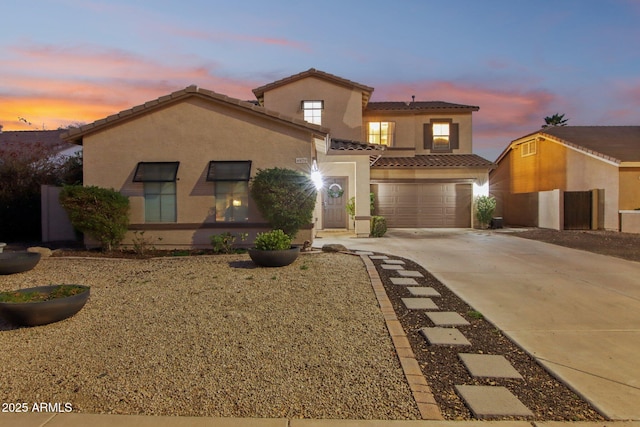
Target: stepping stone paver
{"type": "Point", "coordinates": [423, 291]}
{"type": "Point", "coordinates": [492, 401]}
{"type": "Point", "coordinates": [488, 365]}
{"type": "Point", "coordinates": [392, 267]}
{"type": "Point", "coordinates": [378, 257]}
{"type": "Point", "coordinates": [403, 281]}
{"type": "Point", "coordinates": [419, 304]}
{"type": "Point", "coordinates": [447, 318]}
{"type": "Point", "coordinates": [394, 261]}
{"type": "Point", "coordinates": [410, 273]}
{"type": "Point", "coordinates": [444, 336]}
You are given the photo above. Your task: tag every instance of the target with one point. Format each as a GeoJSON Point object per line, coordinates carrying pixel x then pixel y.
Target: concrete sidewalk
{"type": "Point", "coordinates": [576, 312]}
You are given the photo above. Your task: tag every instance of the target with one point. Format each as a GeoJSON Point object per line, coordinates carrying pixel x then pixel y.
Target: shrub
{"type": "Point", "coordinates": [224, 243]}
{"type": "Point", "coordinates": [485, 206]}
{"type": "Point", "coordinates": [285, 198]}
{"type": "Point", "coordinates": [275, 240]}
{"type": "Point", "coordinates": [378, 226]}
{"type": "Point", "coordinates": [98, 212]}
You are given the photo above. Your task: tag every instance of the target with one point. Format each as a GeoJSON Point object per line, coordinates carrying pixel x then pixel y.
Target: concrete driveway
{"type": "Point", "coordinates": [576, 312]}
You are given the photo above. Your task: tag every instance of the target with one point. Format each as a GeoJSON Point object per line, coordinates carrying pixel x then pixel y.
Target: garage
{"type": "Point", "coordinates": [424, 205]}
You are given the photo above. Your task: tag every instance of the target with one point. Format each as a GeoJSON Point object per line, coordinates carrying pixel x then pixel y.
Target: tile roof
{"type": "Point", "coordinates": [434, 161]}
{"type": "Point", "coordinates": [76, 134]}
{"type": "Point", "coordinates": [419, 106]}
{"type": "Point", "coordinates": [312, 72]}
{"type": "Point", "coordinates": [617, 143]}
{"type": "Point", "coordinates": [348, 145]}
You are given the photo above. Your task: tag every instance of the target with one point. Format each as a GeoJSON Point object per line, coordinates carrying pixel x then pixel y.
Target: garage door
{"type": "Point", "coordinates": [440, 205]}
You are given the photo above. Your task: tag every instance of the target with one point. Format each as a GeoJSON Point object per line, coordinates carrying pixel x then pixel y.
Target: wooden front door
{"type": "Point", "coordinates": [334, 201]}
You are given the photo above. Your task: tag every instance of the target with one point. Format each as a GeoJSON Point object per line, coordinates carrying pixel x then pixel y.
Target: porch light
{"type": "Point", "coordinates": [237, 203]}
{"type": "Point", "coordinates": [316, 176]}
{"type": "Point", "coordinates": [480, 189]}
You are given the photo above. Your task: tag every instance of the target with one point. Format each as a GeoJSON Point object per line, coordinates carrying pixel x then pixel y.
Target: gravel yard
{"type": "Point", "coordinates": [210, 335]}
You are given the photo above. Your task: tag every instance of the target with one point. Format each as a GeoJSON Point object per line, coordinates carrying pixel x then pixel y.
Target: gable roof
{"type": "Point", "coordinates": [312, 72]}
{"type": "Point", "coordinates": [76, 134]}
{"type": "Point", "coordinates": [614, 143]}
{"type": "Point", "coordinates": [435, 161]}
{"type": "Point", "coordinates": [618, 143]}
{"type": "Point", "coordinates": [420, 106]}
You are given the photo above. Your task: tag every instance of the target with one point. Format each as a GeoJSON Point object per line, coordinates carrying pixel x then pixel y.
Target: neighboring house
{"type": "Point", "coordinates": [36, 143]}
{"type": "Point", "coordinates": [185, 159]}
{"type": "Point", "coordinates": [571, 177]}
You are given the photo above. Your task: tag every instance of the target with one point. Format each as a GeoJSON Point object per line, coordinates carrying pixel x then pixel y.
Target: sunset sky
{"type": "Point", "coordinates": [65, 62]}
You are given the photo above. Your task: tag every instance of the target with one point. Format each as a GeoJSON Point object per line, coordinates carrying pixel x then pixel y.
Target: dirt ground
{"type": "Point", "coordinates": [612, 243]}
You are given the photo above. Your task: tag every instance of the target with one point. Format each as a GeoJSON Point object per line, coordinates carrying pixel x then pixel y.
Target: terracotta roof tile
{"type": "Point", "coordinates": [348, 145]}
{"type": "Point", "coordinates": [418, 106]}
{"type": "Point", "coordinates": [434, 161]}
{"type": "Point", "coordinates": [76, 134]}
{"type": "Point", "coordinates": [311, 72]}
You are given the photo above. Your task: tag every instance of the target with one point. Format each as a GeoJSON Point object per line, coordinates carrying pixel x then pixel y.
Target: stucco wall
{"type": "Point", "coordinates": [342, 112]}
{"type": "Point", "coordinates": [555, 166]}
{"type": "Point", "coordinates": [409, 130]}
{"type": "Point", "coordinates": [192, 132]}
{"type": "Point", "coordinates": [629, 188]}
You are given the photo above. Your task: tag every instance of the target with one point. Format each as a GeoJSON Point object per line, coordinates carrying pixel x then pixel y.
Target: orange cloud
{"type": "Point", "coordinates": [504, 115]}
{"type": "Point", "coordinates": [57, 86]}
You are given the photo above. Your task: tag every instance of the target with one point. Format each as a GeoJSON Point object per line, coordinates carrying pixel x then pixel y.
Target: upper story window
{"type": "Point", "coordinates": [381, 133]}
{"type": "Point", "coordinates": [312, 111]}
{"type": "Point", "coordinates": [441, 135]}
{"type": "Point", "coordinates": [528, 148]}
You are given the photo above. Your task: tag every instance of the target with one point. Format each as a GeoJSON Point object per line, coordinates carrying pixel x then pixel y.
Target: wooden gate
{"type": "Point", "coordinates": [577, 210]}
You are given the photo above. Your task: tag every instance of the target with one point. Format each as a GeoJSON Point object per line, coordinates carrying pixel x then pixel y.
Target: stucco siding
{"type": "Point", "coordinates": [192, 132]}
{"type": "Point", "coordinates": [342, 112]}
{"type": "Point", "coordinates": [629, 188]}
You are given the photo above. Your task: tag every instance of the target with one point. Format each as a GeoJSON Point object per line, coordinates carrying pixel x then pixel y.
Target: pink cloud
{"type": "Point", "coordinates": [86, 83]}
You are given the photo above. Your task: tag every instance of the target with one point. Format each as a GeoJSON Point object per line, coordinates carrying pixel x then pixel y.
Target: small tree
{"type": "Point", "coordinates": [285, 198]}
{"type": "Point", "coordinates": [485, 206]}
{"type": "Point", "coordinates": [99, 212]}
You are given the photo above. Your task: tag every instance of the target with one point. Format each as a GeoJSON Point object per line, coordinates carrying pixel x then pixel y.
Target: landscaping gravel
{"type": "Point", "coordinates": [209, 336]}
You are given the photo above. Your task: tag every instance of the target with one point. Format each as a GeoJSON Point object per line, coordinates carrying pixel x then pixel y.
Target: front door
{"type": "Point", "coordinates": [334, 201]}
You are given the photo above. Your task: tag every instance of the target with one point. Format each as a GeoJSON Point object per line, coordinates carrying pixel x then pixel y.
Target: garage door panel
{"type": "Point", "coordinates": [424, 205]}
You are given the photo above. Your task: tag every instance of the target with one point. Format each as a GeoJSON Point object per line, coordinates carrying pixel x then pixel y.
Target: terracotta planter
{"type": "Point", "coordinates": [43, 312]}
{"type": "Point", "coordinates": [274, 258]}
{"type": "Point", "coordinates": [17, 262]}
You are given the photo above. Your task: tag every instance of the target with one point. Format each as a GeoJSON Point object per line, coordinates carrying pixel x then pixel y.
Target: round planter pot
{"type": "Point", "coordinates": [43, 312]}
{"type": "Point", "coordinates": [274, 258]}
{"type": "Point", "coordinates": [17, 262]}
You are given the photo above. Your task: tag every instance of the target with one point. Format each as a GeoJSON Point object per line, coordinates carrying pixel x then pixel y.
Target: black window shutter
{"type": "Point", "coordinates": [428, 136]}
{"type": "Point", "coordinates": [454, 143]}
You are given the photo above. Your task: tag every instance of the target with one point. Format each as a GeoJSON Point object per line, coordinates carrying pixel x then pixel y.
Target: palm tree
{"type": "Point", "coordinates": [555, 120]}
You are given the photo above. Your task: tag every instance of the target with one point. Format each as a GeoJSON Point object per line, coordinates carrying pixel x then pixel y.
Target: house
{"type": "Point", "coordinates": [185, 159]}
{"type": "Point", "coordinates": [36, 143]}
{"type": "Point", "coordinates": [571, 177]}
{"type": "Point", "coordinates": [416, 157]}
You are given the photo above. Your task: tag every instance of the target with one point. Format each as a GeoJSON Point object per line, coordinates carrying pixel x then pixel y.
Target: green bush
{"type": "Point", "coordinates": [378, 226]}
{"type": "Point", "coordinates": [485, 206]}
{"type": "Point", "coordinates": [275, 240]}
{"type": "Point", "coordinates": [224, 243]}
{"type": "Point", "coordinates": [98, 212]}
{"type": "Point", "coordinates": [285, 198]}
